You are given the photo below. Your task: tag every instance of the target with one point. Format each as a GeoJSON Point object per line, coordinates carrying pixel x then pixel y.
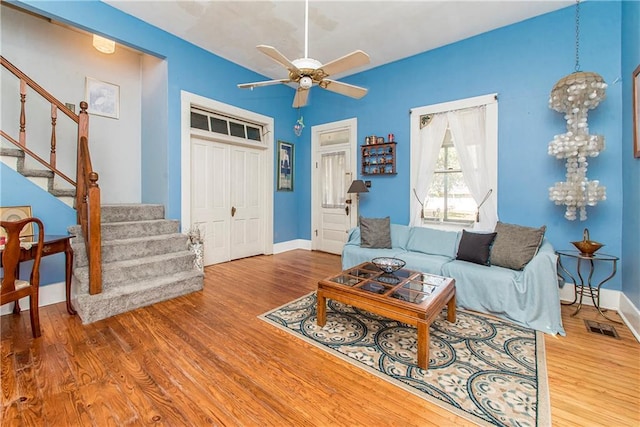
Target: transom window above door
{"type": "Point", "coordinates": [226, 128]}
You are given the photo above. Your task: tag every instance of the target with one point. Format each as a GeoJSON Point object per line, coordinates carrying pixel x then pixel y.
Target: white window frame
{"type": "Point", "coordinates": [490, 102]}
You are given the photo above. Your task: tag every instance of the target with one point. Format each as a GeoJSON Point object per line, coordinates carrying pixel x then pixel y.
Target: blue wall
{"type": "Point", "coordinates": [630, 165]}
{"type": "Point", "coordinates": [55, 215]}
{"type": "Point", "coordinates": [521, 63]}
{"type": "Point", "coordinates": [195, 70]}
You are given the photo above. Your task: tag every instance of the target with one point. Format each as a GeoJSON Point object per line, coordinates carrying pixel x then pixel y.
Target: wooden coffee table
{"type": "Point", "coordinates": [407, 296]}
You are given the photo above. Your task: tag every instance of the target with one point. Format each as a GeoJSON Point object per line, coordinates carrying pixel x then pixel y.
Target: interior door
{"type": "Point", "coordinates": [210, 188]}
{"type": "Point", "coordinates": [335, 217]}
{"type": "Point", "coordinates": [334, 162]}
{"type": "Point", "coordinates": [246, 203]}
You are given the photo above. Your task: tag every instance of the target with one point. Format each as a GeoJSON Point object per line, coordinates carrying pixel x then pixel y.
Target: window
{"type": "Point", "coordinates": [454, 164]}
{"type": "Point", "coordinates": [449, 199]}
{"type": "Point", "coordinates": [221, 125]}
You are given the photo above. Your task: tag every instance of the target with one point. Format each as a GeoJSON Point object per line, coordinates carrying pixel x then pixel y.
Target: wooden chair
{"type": "Point", "coordinates": [12, 287]}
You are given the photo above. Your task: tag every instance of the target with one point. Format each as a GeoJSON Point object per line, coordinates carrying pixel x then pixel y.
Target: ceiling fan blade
{"type": "Point", "coordinates": [274, 54]}
{"type": "Point", "coordinates": [351, 60]}
{"type": "Point", "coordinates": [300, 100]}
{"type": "Point", "coordinates": [264, 83]}
{"type": "Point", "coordinates": [343, 88]}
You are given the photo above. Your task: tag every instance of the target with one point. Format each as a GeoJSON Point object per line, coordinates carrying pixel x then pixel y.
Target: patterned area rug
{"type": "Point", "coordinates": [486, 370]}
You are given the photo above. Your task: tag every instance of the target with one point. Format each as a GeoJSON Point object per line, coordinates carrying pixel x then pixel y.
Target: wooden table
{"type": "Point", "coordinates": [53, 244]}
{"type": "Point", "coordinates": [407, 296]}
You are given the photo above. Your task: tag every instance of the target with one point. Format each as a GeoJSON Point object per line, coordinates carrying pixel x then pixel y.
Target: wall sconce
{"type": "Point", "coordinates": [575, 95]}
{"type": "Point", "coordinates": [104, 45]}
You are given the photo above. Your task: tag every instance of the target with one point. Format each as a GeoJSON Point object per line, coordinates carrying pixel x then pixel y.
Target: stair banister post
{"type": "Point", "coordinates": [95, 243]}
{"type": "Point", "coordinates": [23, 121]}
{"type": "Point", "coordinates": [54, 119]}
{"type": "Point", "coordinates": [81, 184]}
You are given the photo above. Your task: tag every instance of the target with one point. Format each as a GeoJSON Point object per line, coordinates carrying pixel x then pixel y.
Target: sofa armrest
{"type": "Point", "coordinates": [354, 236]}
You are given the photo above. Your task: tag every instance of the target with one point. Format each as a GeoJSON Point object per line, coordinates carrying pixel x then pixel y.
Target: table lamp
{"type": "Point", "coordinates": [358, 186]}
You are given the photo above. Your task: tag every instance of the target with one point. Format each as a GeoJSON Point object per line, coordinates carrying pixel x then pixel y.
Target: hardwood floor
{"type": "Point", "coordinates": [206, 359]}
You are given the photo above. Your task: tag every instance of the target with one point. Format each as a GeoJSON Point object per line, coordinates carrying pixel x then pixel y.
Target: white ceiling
{"type": "Point", "coordinates": [386, 30]}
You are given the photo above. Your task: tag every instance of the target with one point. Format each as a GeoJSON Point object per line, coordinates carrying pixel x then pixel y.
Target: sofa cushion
{"type": "Point", "coordinates": [433, 242]}
{"type": "Point", "coordinates": [375, 233]}
{"type": "Point", "coordinates": [400, 235]}
{"type": "Point", "coordinates": [475, 247]}
{"type": "Point", "coordinates": [515, 245]}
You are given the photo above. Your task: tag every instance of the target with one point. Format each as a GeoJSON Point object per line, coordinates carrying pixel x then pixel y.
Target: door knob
{"type": "Point", "coordinates": [233, 210]}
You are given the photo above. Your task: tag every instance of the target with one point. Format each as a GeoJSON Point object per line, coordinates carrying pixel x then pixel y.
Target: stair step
{"type": "Point", "coordinates": [130, 212]}
{"type": "Point", "coordinates": [126, 230]}
{"type": "Point", "coordinates": [37, 173]}
{"type": "Point", "coordinates": [115, 273]}
{"type": "Point", "coordinates": [136, 294]}
{"type": "Point", "coordinates": [63, 192]}
{"type": "Point", "coordinates": [137, 247]}
{"type": "Point", "coordinates": [11, 152]}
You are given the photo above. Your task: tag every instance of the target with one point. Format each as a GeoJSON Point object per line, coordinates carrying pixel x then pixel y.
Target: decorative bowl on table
{"type": "Point", "coordinates": [387, 264]}
{"type": "Point", "coordinates": [586, 246]}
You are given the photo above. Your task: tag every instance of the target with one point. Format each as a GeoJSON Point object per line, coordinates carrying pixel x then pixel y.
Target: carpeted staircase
{"type": "Point", "coordinates": [43, 178]}
{"type": "Point", "coordinates": [145, 260]}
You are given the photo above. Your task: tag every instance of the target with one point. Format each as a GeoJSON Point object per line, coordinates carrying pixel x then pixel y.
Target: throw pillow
{"type": "Point", "coordinates": [375, 233]}
{"type": "Point", "coordinates": [515, 245]}
{"type": "Point", "coordinates": [475, 247]}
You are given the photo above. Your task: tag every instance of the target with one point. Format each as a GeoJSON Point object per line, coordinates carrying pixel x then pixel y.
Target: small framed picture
{"type": "Point", "coordinates": [285, 166]}
{"type": "Point", "coordinates": [16, 213]}
{"type": "Point", "coordinates": [636, 112]}
{"type": "Point", "coordinates": [103, 98]}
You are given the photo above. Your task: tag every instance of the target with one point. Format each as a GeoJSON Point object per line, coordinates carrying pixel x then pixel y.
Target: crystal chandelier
{"type": "Point", "coordinates": [575, 95]}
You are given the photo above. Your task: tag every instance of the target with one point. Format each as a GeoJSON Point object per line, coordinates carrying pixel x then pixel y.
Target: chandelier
{"type": "Point", "coordinates": [575, 95]}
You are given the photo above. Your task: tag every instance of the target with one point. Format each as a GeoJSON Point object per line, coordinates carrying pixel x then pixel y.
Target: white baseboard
{"type": "Point", "coordinates": [612, 300]}
{"type": "Point", "coordinates": [49, 294]}
{"type": "Point", "coordinates": [608, 299]}
{"type": "Point", "coordinates": [291, 245]}
{"type": "Point", "coordinates": [630, 315]}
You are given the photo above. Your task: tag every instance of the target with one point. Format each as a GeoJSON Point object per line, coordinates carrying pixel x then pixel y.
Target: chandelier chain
{"type": "Point", "coordinates": [577, 68]}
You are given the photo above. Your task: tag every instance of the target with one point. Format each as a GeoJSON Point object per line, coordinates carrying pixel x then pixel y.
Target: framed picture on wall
{"type": "Point", "coordinates": [285, 166]}
{"type": "Point", "coordinates": [103, 98]}
{"type": "Point", "coordinates": [636, 112]}
{"type": "Point", "coordinates": [16, 213]}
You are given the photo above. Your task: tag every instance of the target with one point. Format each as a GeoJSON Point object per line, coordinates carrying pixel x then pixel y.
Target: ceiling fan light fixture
{"type": "Point", "coordinates": [306, 82]}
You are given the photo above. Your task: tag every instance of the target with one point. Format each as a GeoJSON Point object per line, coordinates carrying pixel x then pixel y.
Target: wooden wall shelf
{"type": "Point", "coordinates": [378, 159]}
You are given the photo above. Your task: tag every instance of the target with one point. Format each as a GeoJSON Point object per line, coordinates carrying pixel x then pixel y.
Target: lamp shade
{"type": "Point", "coordinates": [358, 186]}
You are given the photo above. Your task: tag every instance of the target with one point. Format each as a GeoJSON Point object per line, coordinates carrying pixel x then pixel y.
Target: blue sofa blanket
{"type": "Point", "coordinates": [529, 297]}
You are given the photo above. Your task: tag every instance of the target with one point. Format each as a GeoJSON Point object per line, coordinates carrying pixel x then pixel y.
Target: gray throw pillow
{"type": "Point", "coordinates": [475, 247]}
{"type": "Point", "coordinates": [375, 233]}
{"type": "Point", "coordinates": [515, 245]}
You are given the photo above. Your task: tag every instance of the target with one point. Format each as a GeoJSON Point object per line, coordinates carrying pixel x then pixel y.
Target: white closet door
{"type": "Point", "coordinates": [210, 188]}
{"type": "Point", "coordinates": [246, 202]}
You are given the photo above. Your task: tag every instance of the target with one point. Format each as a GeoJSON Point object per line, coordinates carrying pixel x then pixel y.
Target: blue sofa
{"type": "Point", "coordinates": [529, 297]}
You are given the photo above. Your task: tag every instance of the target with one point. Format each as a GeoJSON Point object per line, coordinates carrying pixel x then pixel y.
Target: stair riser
{"type": "Point", "coordinates": [92, 308]}
{"type": "Point", "coordinates": [10, 161]}
{"type": "Point", "coordinates": [121, 250]}
{"type": "Point", "coordinates": [114, 275]}
{"type": "Point", "coordinates": [125, 213]}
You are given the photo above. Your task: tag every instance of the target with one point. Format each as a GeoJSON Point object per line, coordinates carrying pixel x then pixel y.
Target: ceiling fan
{"type": "Point", "coordinates": [308, 72]}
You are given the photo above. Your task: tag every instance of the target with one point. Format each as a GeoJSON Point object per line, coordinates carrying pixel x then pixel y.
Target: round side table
{"type": "Point", "coordinates": [582, 287]}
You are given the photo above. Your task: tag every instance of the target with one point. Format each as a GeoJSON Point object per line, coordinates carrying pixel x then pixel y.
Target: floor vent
{"type": "Point", "coordinates": [601, 328]}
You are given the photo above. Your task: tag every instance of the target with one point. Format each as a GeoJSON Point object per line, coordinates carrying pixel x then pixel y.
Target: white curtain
{"type": "Point", "coordinates": [431, 137]}
{"type": "Point", "coordinates": [467, 129]}
{"type": "Point", "coordinates": [333, 181]}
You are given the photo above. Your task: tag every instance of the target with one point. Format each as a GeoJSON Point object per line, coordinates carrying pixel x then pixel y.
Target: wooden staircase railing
{"type": "Point", "coordinates": [87, 190]}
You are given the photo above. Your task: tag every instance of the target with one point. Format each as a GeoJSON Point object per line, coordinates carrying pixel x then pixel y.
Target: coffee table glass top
{"type": "Point", "coordinates": [405, 285]}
